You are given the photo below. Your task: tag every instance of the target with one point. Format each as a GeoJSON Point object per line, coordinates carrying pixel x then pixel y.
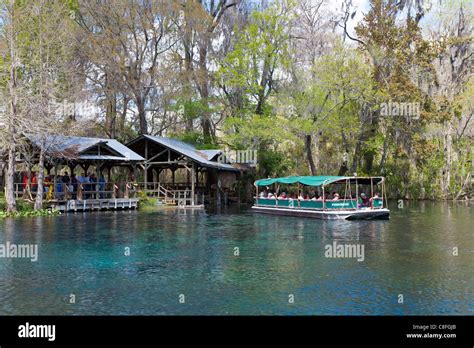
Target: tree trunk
{"type": "Point", "coordinates": [40, 181]}
{"type": "Point", "coordinates": [123, 116]}
{"type": "Point", "coordinates": [204, 91]}
{"type": "Point", "coordinates": [309, 153]}
{"type": "Point", "coordinates": [10, 187]}
{"type": "Point", "coordinates": [111, 115]}
{"type": "Point", "coordinates": [9, 194]}
{"type": "Point", "coordinates": [142, 115]}
{"type": "Point", "coordinates": [263, 83]}
{"type": "Point", "coordinates": [188, 66]}
{"type": "Point", "coordinates": [384, 155]}
{"type": "Point", "coordinates": [345, 158]}
{"type": "Point", "coordinates": [356, 158]}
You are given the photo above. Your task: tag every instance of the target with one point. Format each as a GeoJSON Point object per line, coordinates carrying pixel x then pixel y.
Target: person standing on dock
{"type": "Point", "coordinates": [93, 185]}
{"type": "Point", "coordinates": [86, 184]}
{"type": "Point", "coordinates": [102, 183]}
{"type": "Point", "coordinates": [74, 184]}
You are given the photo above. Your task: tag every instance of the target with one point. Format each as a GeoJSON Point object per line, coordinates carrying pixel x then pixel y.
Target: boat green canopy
{"type": "Point", "coordinates": [316, 180]}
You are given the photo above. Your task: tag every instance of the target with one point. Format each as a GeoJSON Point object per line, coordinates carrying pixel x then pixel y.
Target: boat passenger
{"type": "Point", "coordinates": [282, 196]}
{"type": "Point", "coordinates": [335, 196]}
{"type": "Point", "coordinates": [365, 200]}
{"type": "Point", "coordinates": [301, 197]}
{"type": "Point", "coordinates": [376, 196]}
{"type": "Point", "coordinates": [264, 194]}
{"type": "Point", "coordinates": [271, 195]}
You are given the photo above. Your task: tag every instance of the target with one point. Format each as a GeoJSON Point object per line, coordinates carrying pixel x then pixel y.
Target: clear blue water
{"type": "Point", "coordinates": [192, 253]}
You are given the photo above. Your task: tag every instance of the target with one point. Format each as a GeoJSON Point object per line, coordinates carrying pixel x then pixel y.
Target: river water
{"type": "Point", "coordinates": [235, 262]}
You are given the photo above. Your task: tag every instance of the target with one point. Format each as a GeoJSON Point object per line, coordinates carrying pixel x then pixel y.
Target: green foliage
{"type": "Point", "coordinates": [145, 202]}
{"type": "Point", "coordinates": [30, 213]}
{"type": "Point", "coordinates": [260, 48]}
{"type": "Point", "coordinates": [25, 209]}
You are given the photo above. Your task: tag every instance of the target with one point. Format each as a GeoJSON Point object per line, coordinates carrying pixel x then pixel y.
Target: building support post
{"type": "Point", "coordinates": [97, 177]}
{"type": "Point", "coordinates": [218, 190]}
{"type": "Point", "coordinates": [357, 195]}
{"type": "Point", "coordinates": [324, 200]}
{"type": "Point", "coordinates": [55, 179]}
{"type": "Point", "coordinates": [371, 193]}
{"type": "Point", "coordinates": [193, 183]}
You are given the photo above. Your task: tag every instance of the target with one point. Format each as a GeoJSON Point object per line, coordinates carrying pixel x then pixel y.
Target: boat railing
{"type": "Point", "coordinates": [340, 204]}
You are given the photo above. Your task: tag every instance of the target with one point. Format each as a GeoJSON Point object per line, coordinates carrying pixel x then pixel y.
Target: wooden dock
{"type": "Point", "coordinates": [73, 205]}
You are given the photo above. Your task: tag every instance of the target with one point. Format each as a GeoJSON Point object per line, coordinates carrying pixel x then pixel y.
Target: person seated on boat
{"type": "Point", "coordinates": [376, 196]}
{"type": "Point", "coordinates": [282, 196]}
{"type": "Point", "coordinates": [335, 196]}
{"type": "Point", "coordinates": [263, 194]}
{"type": "Point", "coordinates": [271, 195]}
{"type": "Point", "coordinates": [365, 201]}
{"type": "Point", "coordinates": [301, 196]}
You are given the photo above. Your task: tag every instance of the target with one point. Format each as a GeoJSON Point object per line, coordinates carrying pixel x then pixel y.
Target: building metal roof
{"type": "Point", "coordinates": [211, 154]}
{"type": "Point", "coordinates": [74, 147]}
{"type": "Point", "coordinates": [203, 157]}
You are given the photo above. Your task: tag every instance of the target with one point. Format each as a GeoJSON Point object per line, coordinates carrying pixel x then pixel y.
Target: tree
{"type": "Point", "coordinates": [125, 45]}
{"type": "Point", "coordinates": [11, 16]}
{"type": "Point", "coordinates": [262, 48]}
{"type": "Point", "coordinates": [49, 57]}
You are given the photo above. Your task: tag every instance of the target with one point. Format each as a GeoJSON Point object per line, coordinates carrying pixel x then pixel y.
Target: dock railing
{"type": "Point", "coordinates": [170, 196]}
{"type": "Point", "coordinates": [110, 190]}
{"type": "Point", "coordinates": [79, 191]}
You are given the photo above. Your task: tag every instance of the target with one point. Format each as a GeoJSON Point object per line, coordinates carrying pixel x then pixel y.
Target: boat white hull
{"type": "Point", "coordinates": [362, 214]}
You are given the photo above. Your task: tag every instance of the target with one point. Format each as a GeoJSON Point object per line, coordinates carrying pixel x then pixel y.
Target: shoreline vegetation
{"type": "Point", "coordinates": [393, 97]}
{"type": "Point", "coordinates": [24, 209]}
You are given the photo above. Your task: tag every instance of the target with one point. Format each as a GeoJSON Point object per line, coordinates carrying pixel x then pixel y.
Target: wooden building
{"type": "Point", "coordinates": [203, 170]}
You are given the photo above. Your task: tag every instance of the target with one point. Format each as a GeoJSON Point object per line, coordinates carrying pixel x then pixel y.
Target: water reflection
{"type": "Point", "coordinates": [193, 252]}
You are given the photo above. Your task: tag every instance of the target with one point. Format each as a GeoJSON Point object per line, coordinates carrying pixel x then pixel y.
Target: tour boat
{"type": "Point", "coordinates": [355, 198]}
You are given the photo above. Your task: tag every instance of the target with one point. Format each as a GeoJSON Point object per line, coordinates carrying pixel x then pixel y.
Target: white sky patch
{"type": "Point", "coordinates": [361, 7]}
